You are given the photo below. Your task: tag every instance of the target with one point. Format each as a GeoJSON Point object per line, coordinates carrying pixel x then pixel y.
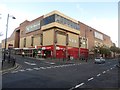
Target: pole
{"type": "Point", "coordinates": [6, 36]}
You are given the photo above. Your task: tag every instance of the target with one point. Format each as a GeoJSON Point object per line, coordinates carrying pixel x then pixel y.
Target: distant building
{"type": "Point", "coordinates": [58, 36]}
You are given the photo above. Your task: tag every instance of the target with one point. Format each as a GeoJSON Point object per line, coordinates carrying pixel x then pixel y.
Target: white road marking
{"type": "Point", "coordinates": [29, 69]}
{"type": "Point", "coordinates": [29, 63]}
{"type": "Point", "coordinates": [108, 70]}
{"type": "Point", "coordinates": [48, 67]}
{"type": "Point", "coordinates": [70, 64]}
{"type": "Point", "coordinates": [98, 75]}
{"type": "Point", "coordinates": [36, 68]}
{"type": "Point", "coordinates": [79, 85]}
{"type": "Point", "coordinates": [33, 64]}
{"type": "Point", "coordinates": [49, 63]}
{"type": "Point", "coordinates": [90, 79]}
{"type": "Point", "coordinates": [52, 67]}
{"type": "Point", "coordinates": [111, 68]}
{"type": "Point", "coordinates": [72, 88]}
{"type": "Point", "coordinates": [61, 66]}
{"type": "Point", "coordinates": [42, 67]}
{"type": "Point", "coordinates": [14, 71]}
{"type": "Point", "coordinates": [104, 71]}
{"type": "Point", "coordinates": [56, 66]}
{"type": "Point", "coordinates": [52, 63]}
{"type": "Point", "coordinates": [22, 70]}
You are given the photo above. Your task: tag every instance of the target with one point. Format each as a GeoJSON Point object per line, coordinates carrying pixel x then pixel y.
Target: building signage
{"type": "Point", "coordinates": [32, 27]}
{"type": "Point", "coordinates": [72, 40]}
{"type": "Point", "coordinates": [98, 35]}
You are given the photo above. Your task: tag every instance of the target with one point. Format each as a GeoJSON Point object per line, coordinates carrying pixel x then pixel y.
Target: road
{"type": "Point", "coordinates": [44, 74]}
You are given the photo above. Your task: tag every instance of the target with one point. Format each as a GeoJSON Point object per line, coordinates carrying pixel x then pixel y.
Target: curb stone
{"type": "Point", "coordinates": [10, 69]}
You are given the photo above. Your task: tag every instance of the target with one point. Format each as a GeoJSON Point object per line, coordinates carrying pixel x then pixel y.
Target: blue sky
{"type": "Point", "coordinates": [102, 16]}
{"type": "Point", "coordinates": [98, 9]}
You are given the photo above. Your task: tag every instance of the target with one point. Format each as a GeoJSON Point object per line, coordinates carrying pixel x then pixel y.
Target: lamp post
{"type": "Point", "coordinates": [6, 33]}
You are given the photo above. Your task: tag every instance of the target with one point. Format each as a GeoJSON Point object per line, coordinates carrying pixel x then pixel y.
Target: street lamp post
{"type": "Point", "coordinates": [6, 33]}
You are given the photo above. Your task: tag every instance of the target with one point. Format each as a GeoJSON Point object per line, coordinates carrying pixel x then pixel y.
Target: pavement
{"type": "Point", "coordinates": [6, 66]}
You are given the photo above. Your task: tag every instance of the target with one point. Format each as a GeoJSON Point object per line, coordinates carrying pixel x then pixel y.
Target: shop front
{"type": "Point", "coordinates": [84, 53]}
{"type": "Point", "coordinates": [47, 51]}
{"type": "Point", "coordinates": [73, 52]}
{"type": "Point", "coordinates": [60, 52]}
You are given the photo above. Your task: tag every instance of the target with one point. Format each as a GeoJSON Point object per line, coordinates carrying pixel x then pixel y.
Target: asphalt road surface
{"type": "Point", "coordinates": [44, 74]}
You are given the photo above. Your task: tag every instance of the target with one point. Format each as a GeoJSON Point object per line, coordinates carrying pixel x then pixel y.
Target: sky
{"type": "Point", "coordinates": [103, 16]}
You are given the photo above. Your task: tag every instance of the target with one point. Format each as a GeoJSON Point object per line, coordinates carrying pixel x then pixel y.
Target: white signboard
{"type": "Point", "coordinates": [33, 26]}
{"type": "Point", "coordinates": [98, 35]}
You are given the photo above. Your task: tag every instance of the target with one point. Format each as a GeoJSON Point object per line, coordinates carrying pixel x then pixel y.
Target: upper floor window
{"type": "Point", "coordinates": [61, 20]}
{"type": "Point", "coordinates": [66, 22]}
{"type": "Point", "coordinates": [48, 20]}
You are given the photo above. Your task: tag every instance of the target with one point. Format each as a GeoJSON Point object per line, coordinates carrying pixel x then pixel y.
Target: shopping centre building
{"type": "Point", "coordinates": [57, 35]}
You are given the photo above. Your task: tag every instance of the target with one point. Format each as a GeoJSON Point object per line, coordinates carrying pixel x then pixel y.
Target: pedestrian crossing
{"type": "Point", "coordinates": [43, 68]}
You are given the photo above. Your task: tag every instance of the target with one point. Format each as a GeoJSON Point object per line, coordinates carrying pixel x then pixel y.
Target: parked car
{"type": "Point", "coordinates": [99, 60]}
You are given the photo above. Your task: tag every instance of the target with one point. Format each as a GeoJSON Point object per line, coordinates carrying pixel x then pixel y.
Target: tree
{"type": "Point", "coordinates": [118, 50]}
{"type": "Point", "coordinates": [115, 49]}
{"type": "Point", "coordinates": [105, 51]}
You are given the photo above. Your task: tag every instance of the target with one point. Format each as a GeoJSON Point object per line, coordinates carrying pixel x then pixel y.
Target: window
{"type": "Point", "coordinates": [66, 22]}
{"type": "Point", "coordinates": [61, 20]}
{"type": "Point", "coordinates": [48, 20]}
{"type": "Point", "coordinates": [32, 41]}
{"type": "Point", "coordinates": [24, 42]}
{"type": "Point", "coordinates": [57, 18]}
